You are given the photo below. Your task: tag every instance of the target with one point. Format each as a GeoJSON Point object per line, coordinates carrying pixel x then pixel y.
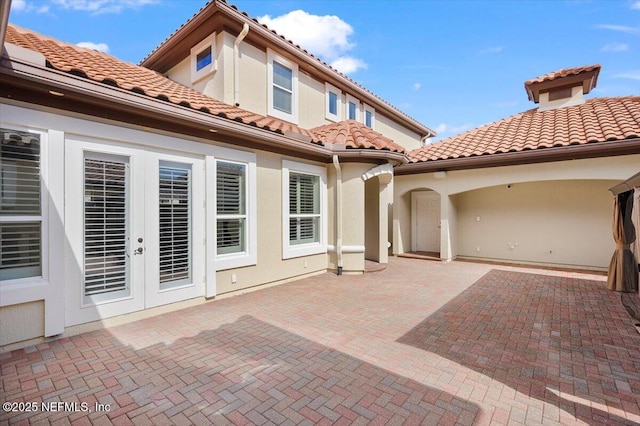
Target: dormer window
{"type": "Point", "coordinates": [203, 61]}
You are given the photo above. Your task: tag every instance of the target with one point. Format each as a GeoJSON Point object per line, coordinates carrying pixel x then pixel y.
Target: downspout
{"type": "Point", "coordinates": [4, 22]}
{"type": "Point", "coordinates": [336, 164]}
{"type": "Point", "coordinates": [423, 140]}
{"type": "Point", "coordinates": [236, 63]}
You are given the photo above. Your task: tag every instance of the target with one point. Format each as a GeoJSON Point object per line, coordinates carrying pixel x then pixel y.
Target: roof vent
{"type": "Point", "coordinates": [562, 88]}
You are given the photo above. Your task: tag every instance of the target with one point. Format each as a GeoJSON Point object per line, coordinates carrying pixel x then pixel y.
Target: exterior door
{"type": "Point", "coordinates": [132, 217]}
{"type": "Point", "coordinates": [425, 208]}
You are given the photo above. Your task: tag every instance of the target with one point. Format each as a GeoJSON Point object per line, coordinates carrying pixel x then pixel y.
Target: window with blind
{"type": "Point", "coordinates": [106, 227]}
{"type": "Point", "coordinates": [175, 224]}
{"type": "Point", "coordinates": [304, 208]}
{"type": "Point", "coordinates": [20, 205]}
{"type": "Point", "coordinates": [231, 209]}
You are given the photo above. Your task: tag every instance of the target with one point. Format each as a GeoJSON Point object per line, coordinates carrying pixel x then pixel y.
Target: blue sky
{"type": "Point", "coordinates": [452, 65]}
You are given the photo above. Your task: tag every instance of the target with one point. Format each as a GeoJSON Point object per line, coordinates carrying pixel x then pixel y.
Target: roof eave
{"type": "Point", "coordinates": [544, 155]}
{"type": "Point", "coordinates": [66, 83]}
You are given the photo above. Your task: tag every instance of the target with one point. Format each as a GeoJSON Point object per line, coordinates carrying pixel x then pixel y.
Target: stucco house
{"type": "Point", "coordinates": [230, 158]}
{"type": "Point", "coordinates": [532, 188]}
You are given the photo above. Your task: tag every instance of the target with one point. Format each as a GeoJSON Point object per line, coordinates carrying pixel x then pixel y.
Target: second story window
{"type": "Point", "coordinates": [203, 62]}
{"type": "Point", "coordinates": [353, 108]}
{"type": "Point", "coordinates": [369, 118]}
{"type": "Point", "coordinates": [333, 100]}
{"type": "Point", "coordinates": [283, 88]}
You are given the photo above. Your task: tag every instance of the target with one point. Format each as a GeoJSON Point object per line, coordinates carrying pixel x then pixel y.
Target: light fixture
{"type": "Point", "coordinates": [54, 93]}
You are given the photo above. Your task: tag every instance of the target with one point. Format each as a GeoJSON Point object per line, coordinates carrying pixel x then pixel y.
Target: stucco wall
{"type": "Point", "coordinates": [558, 186]}
{"type": "Point", "coordinates": [558, 223]}
{"type": "Point", "coordinates": [21, 322]}
{"type": "Point", "coordinates": [401, 135]}
{"type": "Point", "coordinates": [270, 266]}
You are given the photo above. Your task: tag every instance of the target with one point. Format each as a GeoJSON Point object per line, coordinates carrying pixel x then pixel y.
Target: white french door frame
{"type": "Point", "coordinates": [143, 223]}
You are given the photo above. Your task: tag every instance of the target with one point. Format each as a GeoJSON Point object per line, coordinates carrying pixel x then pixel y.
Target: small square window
{"type": "Point", "coordinates": [203, 61]}
{"type": "Point", "coordinates": [203, 58]}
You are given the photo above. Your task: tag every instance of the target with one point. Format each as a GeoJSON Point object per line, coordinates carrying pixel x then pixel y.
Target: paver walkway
{"type": "Point", "coordinates": [418, 343]}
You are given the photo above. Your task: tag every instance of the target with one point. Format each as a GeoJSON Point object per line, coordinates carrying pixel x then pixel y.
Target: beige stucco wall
{"type": "Point", "coordinates": [554, 222]}
{"type": "Point", "coordinates": [253, 88]}
{"type": "Point", "coordinates": [400, 134]}
{"type": "Point", "coordinates": [270, 266]}
{"type": "Point", "coordinates": [21, 322]}
{"type": "Point", "coordinates": [575, 192]}
{"type": "Point", "coordinates": [372, 219]}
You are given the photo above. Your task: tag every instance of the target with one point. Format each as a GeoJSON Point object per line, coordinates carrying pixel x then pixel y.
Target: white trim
{"type": "Point", "coordinates": [328, 88]}
{"type": "Point", "coordinates": [356, 102]}
{"type": "Point", "coordinates": [289, 251]}
{"type": "Point", "coordinates": [293, 117]}
{"type": "Point", "coordinates": [365, 109]}
{"type": "Point", "coordinates": [347, 249]}
{"type": "Point", "coordinates": [199, 74]}
{"type": "Point", "coordinates": [250, 255]}
{"type": "Point", "coordinates": [383, 171]}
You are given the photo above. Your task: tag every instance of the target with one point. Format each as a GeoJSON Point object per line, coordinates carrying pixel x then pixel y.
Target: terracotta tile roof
{"type": "Point", "coordinates": [562, 73]}
{"type": "Point", "coordinates": [355, 135]}
{"type": "Point", "coordinates": [597, 120]}
{"type": "Point", "coordinates": [107, 69]}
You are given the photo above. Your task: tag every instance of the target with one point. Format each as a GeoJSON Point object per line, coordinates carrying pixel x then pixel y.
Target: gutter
{"type": "Point", "coordinates": [236, 64]}
{"type": "Point", "coordinates": [69, 84]}
{"type": "Point", "coordinates": [540, 155]}
{"type": "Point", "coordinates": [5, 8]}
{"type": "Point", "coordinates": [336, 164]}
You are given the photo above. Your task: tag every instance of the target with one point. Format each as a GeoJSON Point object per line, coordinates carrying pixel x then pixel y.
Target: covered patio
{"type": "Point", "coordinates": [417, 343]}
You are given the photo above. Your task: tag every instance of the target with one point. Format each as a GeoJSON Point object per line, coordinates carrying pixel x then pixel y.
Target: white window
{"type": "Point", "coordinates": [236, 217]}
{"type": "Point", "coordinates": [203, 58]}
{"type": "Point", "coordinates": [21, 224]}
{"type": "Point", "coordinates": [283, 88]}
{"type": "Point", "coordinates": [353, 108]}
{"type": "Point", "coordinates": [333, 101]}
{"type": "Point", "coordinates": [369, 117]}
{"type": "Point", "coordinates": [304, 209]}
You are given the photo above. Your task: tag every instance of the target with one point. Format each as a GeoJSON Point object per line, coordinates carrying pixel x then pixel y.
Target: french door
{"type": "Point", "coordinates": [135, 220]}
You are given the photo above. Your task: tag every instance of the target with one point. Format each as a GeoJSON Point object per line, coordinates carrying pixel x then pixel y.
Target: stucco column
{"type": "Point", "coordinates": [448, 229]}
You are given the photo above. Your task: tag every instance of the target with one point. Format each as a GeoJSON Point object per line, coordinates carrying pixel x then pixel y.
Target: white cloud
{"type": "Point", "coordinates": [27, 7]}
{"type": "Point", "coordinates": [632, 75]}
{"type": "Point", "coordinates": [635, 5]}
{"type": "Point", "coordinates": [489, 50]}
{"type": "Point", "coordinates": [97, 7]}
{"type": "Point", "coordinates": [417, 86]}
{"type": "Point", "coordinates": [619, 28]}
{"type": "Point", "coordinates": [325, 36]}
{"type": "Point", "coordinates": [348, 65]}
{"type": "Point", "coordinates": [615, 47]}
{"type": "Point", "coordinates": [100, 47]}
{"type": "Point", "coordinates": [443, 128]}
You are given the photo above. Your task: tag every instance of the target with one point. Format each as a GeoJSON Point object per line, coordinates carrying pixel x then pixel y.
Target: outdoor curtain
{"type": "Point", "coordinates": [623, 268]}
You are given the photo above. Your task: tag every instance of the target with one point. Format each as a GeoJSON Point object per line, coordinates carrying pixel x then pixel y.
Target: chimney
{"type": "Point", "coordinates": [562, 88]}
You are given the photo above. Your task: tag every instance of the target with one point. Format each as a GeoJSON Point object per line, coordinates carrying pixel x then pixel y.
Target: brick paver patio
{"type": "Point", "coordinates": [418, 343]}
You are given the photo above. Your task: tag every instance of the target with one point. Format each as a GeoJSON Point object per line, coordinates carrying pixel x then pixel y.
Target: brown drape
{"type": "Point", "coordinates": [623, 268]}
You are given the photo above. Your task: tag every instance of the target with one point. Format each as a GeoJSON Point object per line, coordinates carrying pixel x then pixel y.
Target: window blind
{"type": "Point", "coordinates": [175, 225]}
{"type": "Point", "coordinates": [105, 226]}
{"type": "Point", "coordinates": [20, 212]}
{"type": "Point", "coordinates": [230, 207]}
